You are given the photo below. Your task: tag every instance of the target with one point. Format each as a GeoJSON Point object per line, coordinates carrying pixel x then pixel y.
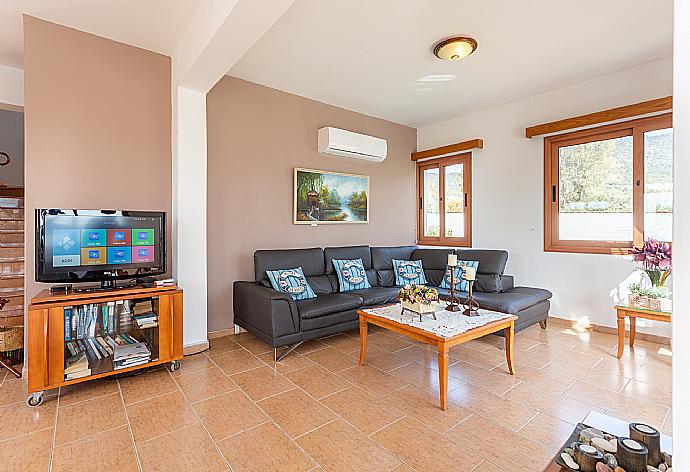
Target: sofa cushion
{"type": "Point", "coordinates": [351, 274]}
{"type": "Point", "coordinates": [408, 272]}
{"type": "Point", "coordinates": [322, 284]}
{"type": "Point", "coordinates": [513, 300]}
{"type": "Point", "coordinates": [310, 260]}
{"type": "Point", "coordinates": [491, 261]}
{"type": "Point", "coordinates": [434, 262]}
{"type": "Point", "coordinates": [292, 282]}
{"type": "Point", "coordinates": [346, 252]}
{"type": "Point", "coordinates": [377, 295]}
{"type": "Point", "coordinates": [382, 257]}
{"type": "Point", "coordinates": [492, 283]}
{"type": "Point", "coordinates": [328, 304]}
{"type": "Point", "coordinates": [385, 278]}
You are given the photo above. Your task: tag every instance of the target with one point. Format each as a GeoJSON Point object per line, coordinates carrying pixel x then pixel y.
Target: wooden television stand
{"type": "Point", "coordinates": [99, 323]}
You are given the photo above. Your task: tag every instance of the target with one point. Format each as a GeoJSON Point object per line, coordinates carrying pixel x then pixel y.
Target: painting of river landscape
{"type": "Point", "coordinates": [330, 197]}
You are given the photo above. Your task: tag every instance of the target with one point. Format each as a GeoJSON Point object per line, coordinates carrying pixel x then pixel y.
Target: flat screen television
{"type": "Point", "coordinates": [99, 245]}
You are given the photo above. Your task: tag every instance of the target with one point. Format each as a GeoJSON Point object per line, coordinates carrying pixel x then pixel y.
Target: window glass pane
{"type": "Point", "coordinates": [454, 201]}
{"type": "Point", "coordinates": [432, 218]}
{"type": "Point", "coordinates": [596, 191]}
{"type": "Point", "coordinates": [658, 184]}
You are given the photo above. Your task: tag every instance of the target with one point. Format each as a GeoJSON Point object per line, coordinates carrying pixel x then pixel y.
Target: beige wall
{"type": "Point", "coordinates": [98, 126]}
{"type": "Point", "coordinates": [256, 137]}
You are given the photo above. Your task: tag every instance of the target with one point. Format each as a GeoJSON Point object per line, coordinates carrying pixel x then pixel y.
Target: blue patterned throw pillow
{"type": "Point", "coordinates": [292, 282]}
{"type": "Point", "coordinates": [351, 274]}
{"type": "Point", "coordinates": [408, 273]}
{"type": "Point", "coordinates": [461, 284]}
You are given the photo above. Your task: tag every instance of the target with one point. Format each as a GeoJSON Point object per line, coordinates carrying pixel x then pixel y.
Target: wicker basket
{"type": "Point", "coordinates": [11, 338]}
{"type": "Point", "coordinates": [644, 302]}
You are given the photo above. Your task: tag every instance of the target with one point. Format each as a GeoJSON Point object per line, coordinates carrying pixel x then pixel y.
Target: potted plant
{"type": "Point", "coordinates": [654, 258]}
{"type": "Point", "coordinates": [418, 298]}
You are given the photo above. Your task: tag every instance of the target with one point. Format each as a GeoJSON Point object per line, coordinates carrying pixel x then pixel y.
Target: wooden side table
{"type": "Point", "coordinates": [623, 311]}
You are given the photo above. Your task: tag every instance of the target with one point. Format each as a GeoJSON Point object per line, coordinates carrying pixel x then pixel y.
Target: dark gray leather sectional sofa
{"type": "Point", "coordinates": [280, 321]}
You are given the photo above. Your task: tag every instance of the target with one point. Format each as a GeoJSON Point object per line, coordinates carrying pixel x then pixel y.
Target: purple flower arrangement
{"type": "Point", "coordinates": [654, 258]}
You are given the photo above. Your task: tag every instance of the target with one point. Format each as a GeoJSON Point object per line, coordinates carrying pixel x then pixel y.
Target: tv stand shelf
{"type": "Point", "coordinates": [54, 338]}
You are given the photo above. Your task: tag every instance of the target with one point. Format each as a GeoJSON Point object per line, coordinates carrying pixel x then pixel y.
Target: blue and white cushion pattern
{"type": "Point", "coordinates": [461, 284]}
{"type": "Point", "coordinates": [408, 273]}
{"type": "Point", "coordinates": [292, 282]}
{"type": "Point", "coordinates": [351, 274]}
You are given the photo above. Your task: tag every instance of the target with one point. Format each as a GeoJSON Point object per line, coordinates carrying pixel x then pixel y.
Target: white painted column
{"type": "Point", "coordinates": [681, 236]}
{"type": "Point", "coordinates": [189, 211]}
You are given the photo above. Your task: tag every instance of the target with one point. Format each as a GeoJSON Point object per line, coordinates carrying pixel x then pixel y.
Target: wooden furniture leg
{"type": "Point", "coordinates": [443, 374]}
{"type": "Point", "coordinates": [510, 342]}
{"type": "Point", "coordinates": [363, 329]}
{"type": "Point", "coordinates": [621, 334]}
{"type": "Point", "coordinates": [633, 330]}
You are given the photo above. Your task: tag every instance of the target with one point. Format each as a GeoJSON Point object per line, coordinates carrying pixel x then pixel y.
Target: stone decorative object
{"type": "Point", "coordinates": [610, 460]}
{"type": "Point", "coordinates": [651, 438]}
{"type": "Point", "coordinates": [587, 434]}
{"type": "Point", "coordinates": [604, 445]}
{"type": "Point", "coordinates": [667, 459]}
{"type": "Point", "coordinates": [601, 467]}
{"type": "Point", "coordinates": [569, 461]}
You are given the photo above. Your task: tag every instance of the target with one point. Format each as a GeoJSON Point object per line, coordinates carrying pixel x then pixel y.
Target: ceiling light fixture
{"type": "Point", "coordinates": [454, 49]}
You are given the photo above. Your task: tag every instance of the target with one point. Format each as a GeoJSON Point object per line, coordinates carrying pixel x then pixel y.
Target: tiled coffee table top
{"type": "Point", "coordinates": [445, 324]}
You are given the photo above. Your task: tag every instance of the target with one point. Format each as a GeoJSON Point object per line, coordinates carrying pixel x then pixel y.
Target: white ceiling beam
{"type": "Point", "coordinates": [219, 33]}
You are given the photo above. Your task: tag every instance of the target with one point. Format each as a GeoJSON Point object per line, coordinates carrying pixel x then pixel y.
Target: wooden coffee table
{"type": "Point", "coordinates": [440, 333]}
{"type": "Point", "coordinates": [631, 312]}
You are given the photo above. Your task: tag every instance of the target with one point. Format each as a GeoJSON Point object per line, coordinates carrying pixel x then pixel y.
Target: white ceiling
{"type": "Point", "coordinates": [155, 25]}
{"type": "Point", "coordinates": [375, 57]}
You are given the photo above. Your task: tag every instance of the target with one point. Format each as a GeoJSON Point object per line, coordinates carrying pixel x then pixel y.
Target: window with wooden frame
{"type": "Point", "coordinates": [608, 188]}
{"type": "Point", "coordinates": [445, 201]}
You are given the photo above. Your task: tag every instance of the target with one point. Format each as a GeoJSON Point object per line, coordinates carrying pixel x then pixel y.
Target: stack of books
{"type": "Point", "coordinates": [129, 355]}
{"type": "Point", "coordinates": [165, 283]}
{"type": "Point", "coordinates": [77, 366]}
{"type": "Point", "coordinates": [144, 316]}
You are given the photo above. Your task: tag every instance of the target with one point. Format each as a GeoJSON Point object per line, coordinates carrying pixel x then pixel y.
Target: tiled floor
{"type": "Point", "coordinates": [232, 408]}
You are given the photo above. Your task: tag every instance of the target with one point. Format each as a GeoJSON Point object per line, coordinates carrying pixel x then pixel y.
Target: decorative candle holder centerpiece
{"type": "Point", "coordinates": [592, 450]}
{"type": "Point", "coordinates": [418, 299]}
{"type": "Point", "coordinates": [471, 305]}
{"type": "Point", "coordinates": [453, 301]}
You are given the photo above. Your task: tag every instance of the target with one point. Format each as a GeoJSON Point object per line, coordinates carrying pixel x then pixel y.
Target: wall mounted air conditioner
{"type": "Point", "coordinates": [340, 142]}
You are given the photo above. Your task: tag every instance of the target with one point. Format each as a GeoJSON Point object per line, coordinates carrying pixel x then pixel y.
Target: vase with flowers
{"type": "Point", "coordinates": [419, 299]}
{"type": "Point", "coordinates": [654, 258]}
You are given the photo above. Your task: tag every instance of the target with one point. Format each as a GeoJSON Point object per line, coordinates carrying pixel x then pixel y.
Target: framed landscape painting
{"type": "Point", "coordinates": [323, 197]}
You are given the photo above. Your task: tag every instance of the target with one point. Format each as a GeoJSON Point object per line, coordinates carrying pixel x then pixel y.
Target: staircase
{"type": "Point", "coordinates": [11, 258]}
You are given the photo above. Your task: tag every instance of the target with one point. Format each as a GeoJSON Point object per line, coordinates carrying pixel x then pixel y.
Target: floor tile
{"type": "Point", "coordinates": [110, 450]}
{"type": "Point", "coordinates": [510, 414]}
{"type": "Point", "coordinates": [170, 412]}
{"type": "Point", "coordinates": [291, 362]}
{"type": "Point", "coordinates": [233, 362]}
{"type": "Point", "coordinates": [204, 384]}
{"type": "Point", "coordinates": [423, 406]}
{"type": "Point", "coordinates": [193, 363]}
{"type": "Point", "coordinates": [71, 394]}
{"type": "Point", "coordinates": [146, 385]}
{"type": "Point", "coordinates": [422, 377]}
{"type": "Point", "coordinates": [548, 430]}
{"type": "Point", "coordinates": [296, 412]}
{"type": "Point", "coordinates": [262, 382]}
{"type": "Point", "coordinates": [340, 447]}
{"type": "Point", "coordinates": [13, 391]}
{"type": "Point", "coordinates": [27, 453]}
{"type": "Point", "coordinates": [189, 449]}
{"type": "Point", "coordinates": [255, 345]}
{"type": "Point", "coordinates": [486, 360]}
{"type": "Point", "coordinates": [332, 359]}
{"type": "Point", "coordinates": [387, 362]}
{"type": "Point", "coordinates": [373, 380]}
{"type": "Point", "coordinates": [388, 343]}
{"type": "Point", "coordinates": [310, 346]}
{"type": "Point", "coordinates": [264, 448]}
{"type": "Point", "coordinates": [221, 345]}
{"type": "Point", "coordinates": [228, 414]}
{"type": "Point", "coordinates": [348, 344]}
{"type": "Point", "coordinates": [21, 419]}
{"type": "Point", "coordinates": [364, 411]}
{"type": "Point", "coordinates": [317, 381]}
{"type": "Point", "coordinates": [507, 449]}
{"type": "Point", "coordinates": [495, 382]}
{"type": "Point", "coordinates": [424, 449]}
{"type": "Point", "coordinates": [89, 417]}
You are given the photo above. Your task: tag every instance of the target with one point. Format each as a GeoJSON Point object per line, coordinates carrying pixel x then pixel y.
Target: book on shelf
{"type": "Point", "coordinates": [77, 366]}
{"type": "Point", "coordinates": [129, 355]}
{"type": "Point", "coordinates": [142, 307]}
{"type": "Point", "coordinates": [146, 320]}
